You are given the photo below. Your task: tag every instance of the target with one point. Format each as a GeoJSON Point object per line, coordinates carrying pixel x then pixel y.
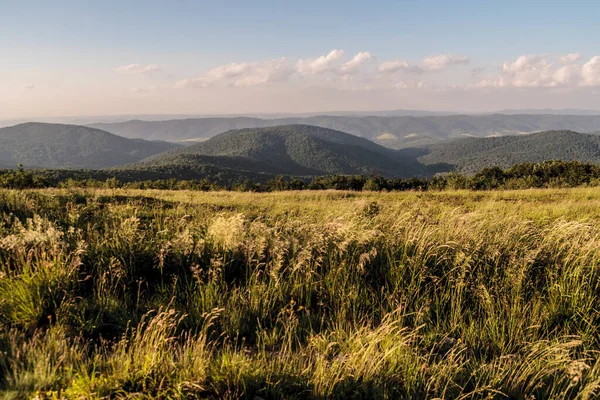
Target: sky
{"type": "Point", "coordinates": [69, 58]}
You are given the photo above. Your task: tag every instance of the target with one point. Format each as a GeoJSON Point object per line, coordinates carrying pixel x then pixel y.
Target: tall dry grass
{"type": "Point", "coordinates": [156, 294]}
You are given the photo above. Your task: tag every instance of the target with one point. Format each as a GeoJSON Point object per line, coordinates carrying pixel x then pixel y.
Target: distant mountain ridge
{"type": "Point", "coordinates": [91, 120]}
{"type": "Point", "coordinates": [473, 154]}
{"type": "Point", "coordinates": [394, 132]}
{"type": "Point", "coordinates": [549, 111]}
{"type": "Point", "coordinates": [180, 129]}
{"type": "Point", "coordinates": [298, 150]}
{"type": "Point", "coordinates": [291, 150]}
{"type": "Point", "coordinates": [71, 146]}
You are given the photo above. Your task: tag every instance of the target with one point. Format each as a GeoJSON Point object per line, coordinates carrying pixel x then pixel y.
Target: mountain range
{"type": "Point", "coordinates": [71, 146]}
{"type": "Point", "coordinates": [394, 132]}
{"type": "Point", "coordinates": [94, 119]}
{"type": "Point", "coordinates": [293, 150]}
{"type": "Point", "coordinates": [552, 111]}
{"type": "Point", "coordinates": [90, 120]}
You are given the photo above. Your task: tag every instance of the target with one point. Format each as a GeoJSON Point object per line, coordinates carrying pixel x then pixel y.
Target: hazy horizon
{"type": "Point", "coordinates": [115, 118]}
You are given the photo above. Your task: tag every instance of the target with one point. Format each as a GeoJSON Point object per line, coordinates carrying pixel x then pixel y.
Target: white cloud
{"type": "Point", "coordinates": [570, 58]}
{"type": "Point", "coordinates": [590, 72]}
{"type": "Point", "coordinates": [527, 71]}
{"type": "Point", "coordinates": [336, 72]}
{"type": "Point", "coordinates": [330, 69]}
{"type": "Point", "coordinates": [29, 86]}
{"type": "Point", "coordinates": [390, 67]}
{"type": "Point", "coordinates": [567, 75]}
{"type": "Point", "coordinates": [427, 64]}
{"type": "Point", "coordinates": [138, 68]}
{"type": "Point", "coordinates": [442, 61]}
{"type": "Point", "coordinates": [229, 71]}
{"type": "Point", "coordinates": [277, 70]}
{"type": "Point", "coordinates": [263, 73]}
{"type": "Point", "coordinates": [242, 74]}
{"type": "Point", "coordinates": [358, 60]}
{"type": "Point", "coordinates": [541, 71]}
{"type": "Point", "coordinates": [320, 64]}
{"type": "Point", "coordinates": [530, 71]}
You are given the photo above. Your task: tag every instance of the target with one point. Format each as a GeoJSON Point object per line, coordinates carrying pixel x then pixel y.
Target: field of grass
{"type": "Point", "coordinates": [176, 294]}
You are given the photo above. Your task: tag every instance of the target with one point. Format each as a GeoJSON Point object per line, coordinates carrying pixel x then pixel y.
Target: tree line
{"type": "Point", "coordinates": [520, 176]}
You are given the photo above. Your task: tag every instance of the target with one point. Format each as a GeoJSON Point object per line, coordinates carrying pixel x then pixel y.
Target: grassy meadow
{"type": "Point", "coordinates": [113, 293]}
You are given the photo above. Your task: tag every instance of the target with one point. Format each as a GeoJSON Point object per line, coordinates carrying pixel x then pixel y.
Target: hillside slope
{"type": "Point", "coordinates": [394, 132]}
{"type": "Point", "coordinates": [299, 150]}
{"type": "Point", "coordinates": [473, 154]}
{"type": "Point", "coordinates": [71, 146]}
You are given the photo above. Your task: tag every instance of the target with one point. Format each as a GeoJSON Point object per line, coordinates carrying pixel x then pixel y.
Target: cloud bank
{"type": "Point", "coordinates": [361, 71]}
{"type": "Point", "coordinates": [545, 71]}
{"type": "Point", "coordinates": [241, 74]}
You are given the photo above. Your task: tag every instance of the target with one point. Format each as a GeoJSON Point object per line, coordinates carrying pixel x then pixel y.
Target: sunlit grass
{"type": "Point", "coordinates": [180, 294]}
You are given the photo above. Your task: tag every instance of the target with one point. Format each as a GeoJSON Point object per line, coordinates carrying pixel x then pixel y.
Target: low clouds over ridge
{"type": "Point", "coordinates": [241, 74]}
{"type": "Point", "coordinates": [339, 70]}
{"type": "Point", "coordinates": [276, 70]}
{"type": "Point", "coordinates": [543, 71]}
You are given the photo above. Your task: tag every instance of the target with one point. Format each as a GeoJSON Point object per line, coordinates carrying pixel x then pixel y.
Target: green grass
{"type": "Point", "coordinates": [174, 294]}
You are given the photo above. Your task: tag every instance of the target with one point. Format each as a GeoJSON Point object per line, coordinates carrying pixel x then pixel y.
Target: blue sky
{"type": "Point", "coordinates": [68, 57]}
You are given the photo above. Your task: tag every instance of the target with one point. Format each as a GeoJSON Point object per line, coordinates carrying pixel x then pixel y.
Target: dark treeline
{"type": "Point", "coordinates": [521, 176]}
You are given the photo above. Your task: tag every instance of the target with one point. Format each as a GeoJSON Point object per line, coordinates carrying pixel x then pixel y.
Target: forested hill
{"type": "Point", "coordinates": [298, 150]}
{"type": "Point", "coordinates": [473, 154]}
{"type": "Point", "coordinates": [71, 146]}
{"type": "Point", "coordinates": [390, 131]}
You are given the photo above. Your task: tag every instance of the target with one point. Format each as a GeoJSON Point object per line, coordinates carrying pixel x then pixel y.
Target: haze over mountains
{"type": "Point", "coordinates": [71, 146]}
{"type": "Point", "coordinates": [92, 120]}
{"type": "Point", "coordinates": [394, 132]}
{"type": "Point", "coordinates": [96, 119]}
